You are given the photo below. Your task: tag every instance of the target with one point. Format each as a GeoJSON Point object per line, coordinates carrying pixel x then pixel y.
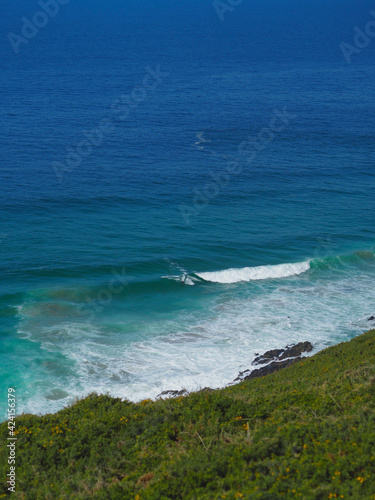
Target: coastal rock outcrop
{"type": "Point", "coordinates": [183, 392]}
{"type": "Point", "coordinates": [279, 354]}
{"type": "Point", "coordinates": [172, 394]}
{"type": "Point", "coordinates": [271, 368]}
{"type": "Point", "coordinates": [275, 360]}
{"type": "Point", "coordinates": [267, 356]}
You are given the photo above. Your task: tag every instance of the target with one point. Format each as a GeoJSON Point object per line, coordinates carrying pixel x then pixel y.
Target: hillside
{"type": "Point", "coordinates": [305, 432]}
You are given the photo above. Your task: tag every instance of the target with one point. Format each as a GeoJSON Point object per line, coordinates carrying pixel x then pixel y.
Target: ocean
{"type": "Point", "coordinates": [183, 186]}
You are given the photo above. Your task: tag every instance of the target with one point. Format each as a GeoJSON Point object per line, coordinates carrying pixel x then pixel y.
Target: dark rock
{"type": "Point", "coordinates": [278, 354]}
{"type": "Point", "coordinates": [296, 350]}
{"type": "Point", "coordinates": [371, 319]}
{"type": "Point", "coordinates": [241, 375]}
{"type": "Point", "coordinates": [271, 368]}
{"type": "Point", "coordinates": [276, 360]}
{"type": "Point", "coordinates": [172, 394]}
{"type": "Point", "coordinates": [267, 356]}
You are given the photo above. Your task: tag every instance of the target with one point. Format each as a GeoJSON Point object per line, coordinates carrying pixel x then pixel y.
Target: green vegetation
{"type": "Point", "coordinates": [305, 432]}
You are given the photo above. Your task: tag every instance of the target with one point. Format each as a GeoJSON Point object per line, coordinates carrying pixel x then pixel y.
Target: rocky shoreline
{"type": "Point", "coordinates": [274, 360]}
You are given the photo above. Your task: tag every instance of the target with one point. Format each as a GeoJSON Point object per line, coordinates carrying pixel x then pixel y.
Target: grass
{"type": "Point", "coordinates": [307, 432]}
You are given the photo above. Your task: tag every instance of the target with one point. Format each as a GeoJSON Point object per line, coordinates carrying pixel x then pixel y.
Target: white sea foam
{"type": "Point", "coordinates": [191, 349]}
{"type": "Point", "coordinates": [255, 273]}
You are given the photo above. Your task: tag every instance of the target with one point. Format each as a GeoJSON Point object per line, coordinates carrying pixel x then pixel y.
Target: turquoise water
{"type": "Point", "coordinates": [190, 237]}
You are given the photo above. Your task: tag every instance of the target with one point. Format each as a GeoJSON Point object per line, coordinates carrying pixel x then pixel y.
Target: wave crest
{"type": "Point", "coordinates": [255, 273]}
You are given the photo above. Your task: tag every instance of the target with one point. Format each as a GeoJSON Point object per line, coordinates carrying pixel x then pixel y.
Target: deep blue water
{"type": "Point", "coordinates": [183, 182]}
